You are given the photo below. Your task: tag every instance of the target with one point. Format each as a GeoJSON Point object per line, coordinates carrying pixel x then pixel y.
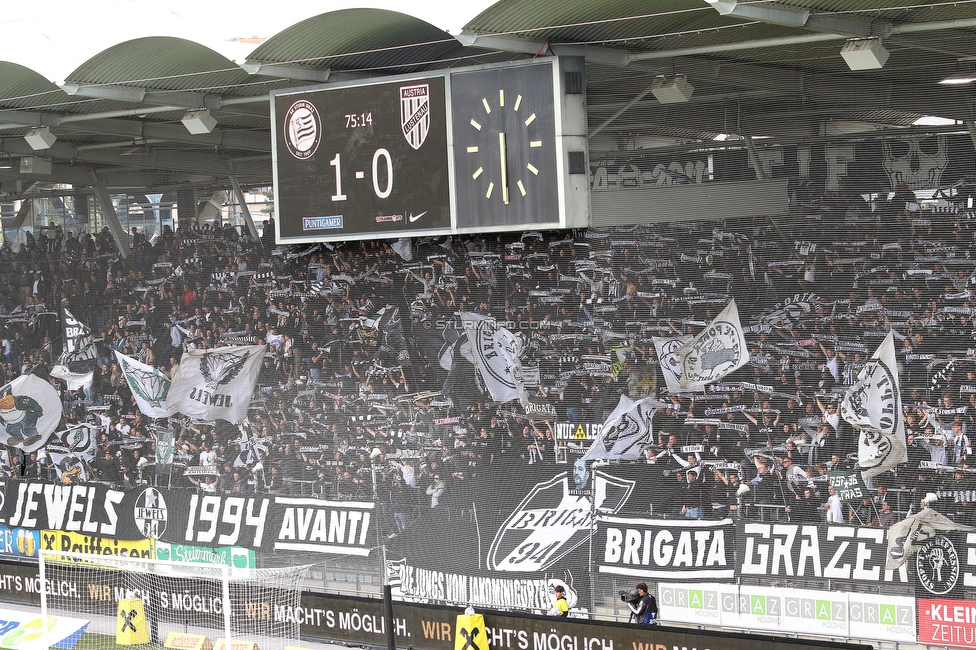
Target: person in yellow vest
{"type": "Point", "coordinates": [561, 605]}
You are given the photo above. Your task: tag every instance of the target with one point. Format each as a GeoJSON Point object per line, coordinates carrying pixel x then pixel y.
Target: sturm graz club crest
{"type": "Point", "coordinates": [149, 513]}
{"type": "Point", "coordinates": [937, 566]}
{"type": "Point", "coordinates": [415, 113]}
{"type": "Point", "coordinates": [551, 522]}
{"type": "Point", "coordinates": [714, 355]}
{"type": "Point", "coordinates": [303, 130]}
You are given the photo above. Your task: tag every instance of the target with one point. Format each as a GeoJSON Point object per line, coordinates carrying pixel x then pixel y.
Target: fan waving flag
{"type": "Point", "coordinates": [30, 411]}
{"type": "Point", "coordinates": [76, 365]}
{"type": "Point", "coordinates": [627, 431]}
{"type": "Point", "coordinates": [149, 386]}
{"type": "Point", "coordinates": [495, 351]}
{"type": "Point", "coordinates": [718, 351]}
{"type": "Point", "coordinates": [873, 407]}
{"type": "Point", "coordinates": [216, 384]}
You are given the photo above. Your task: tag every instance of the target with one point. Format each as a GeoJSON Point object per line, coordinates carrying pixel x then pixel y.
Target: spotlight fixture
{"type": "Point", "coordinates": [40, 137]}
{"type": "Point", "coordinates": [864, 54]}
{"type": "Point", "coordinates": [672, 90]}
{"type": "Point", "coordinates": [199, 121]}
{"type": "Point", "coordinates": [958, 80]}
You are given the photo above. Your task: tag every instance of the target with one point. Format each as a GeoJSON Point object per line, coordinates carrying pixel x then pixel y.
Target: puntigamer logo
{"type": "Point", "coordinates": [321, 223]}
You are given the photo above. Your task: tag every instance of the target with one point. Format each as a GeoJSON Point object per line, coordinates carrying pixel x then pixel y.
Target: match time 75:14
{"type": "Point", "coordinates": [354, 120]}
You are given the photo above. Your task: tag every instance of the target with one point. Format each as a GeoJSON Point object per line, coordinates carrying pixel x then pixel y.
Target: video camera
{"type": "Point", "coordinates": [629, 595]}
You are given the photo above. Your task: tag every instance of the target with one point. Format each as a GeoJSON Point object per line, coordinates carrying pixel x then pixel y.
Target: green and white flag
{"type": "Point", "coordinates": [164, 449]}
{"type": "Point", "coordinates": [149, 386]}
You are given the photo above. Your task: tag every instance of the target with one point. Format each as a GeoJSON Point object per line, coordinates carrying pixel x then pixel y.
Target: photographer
{"type": "Point", "coordinates": [644, 609]}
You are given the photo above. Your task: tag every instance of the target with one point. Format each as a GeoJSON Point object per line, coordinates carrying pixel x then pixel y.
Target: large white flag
{"type": "Point", "coordinates": [216, 384]}
{"type": "Point", "coordinates": [873, 407]}
{"type": "Point", "coordinates": [495, 351]}
{"type": "Point", "coordinates": [76, 365]}
{"type": "Point", "coordinates": [666, 346]}
{"type": "Point", "coordinates": [718, 351]}
{"type": "Point", "coordinates": [149, 386]}
{"type": "Point", "coordinates": [30, 411]}
{"type": "Point", "coordinates": [627, 431]}
{"type": "Point", "coordinates": [910, 534]}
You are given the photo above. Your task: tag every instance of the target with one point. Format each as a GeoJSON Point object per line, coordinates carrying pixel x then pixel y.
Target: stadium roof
{"type": "Point", "coordinates": [772, 71]}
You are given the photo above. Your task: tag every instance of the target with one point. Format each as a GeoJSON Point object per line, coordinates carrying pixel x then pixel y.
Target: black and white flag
{"type": "Point", "coordinates": [873, 406]}
{"type": "Point", "coordinates": [216, 384]}
{"type": "Point", "coordinates": [910, 534]}
{"type": "Point", "coordinates": [76, 365]}
{"type": "Point", "coordinates": [716, 352]}
{"type": "Point", "coordinates": [666, 346]}
{"type": "Point", "coordinates": [495, 352]}
{"type": "Point", "coordinates": [627, 431]}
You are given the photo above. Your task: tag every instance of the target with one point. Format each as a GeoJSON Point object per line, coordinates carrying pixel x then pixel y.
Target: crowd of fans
{"type": "Point", "coordinates": [353, 402]}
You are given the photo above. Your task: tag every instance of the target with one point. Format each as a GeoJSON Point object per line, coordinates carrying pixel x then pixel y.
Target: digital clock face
{"type": "Point", "coordinates": [362, 160]}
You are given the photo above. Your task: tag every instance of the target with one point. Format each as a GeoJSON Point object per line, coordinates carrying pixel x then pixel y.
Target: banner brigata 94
{"type": "Point", "coordinates": [490, 148]}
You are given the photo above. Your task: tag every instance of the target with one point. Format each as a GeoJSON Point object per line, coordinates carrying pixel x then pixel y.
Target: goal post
{"type": "Point", "coordinates": [181, 605]}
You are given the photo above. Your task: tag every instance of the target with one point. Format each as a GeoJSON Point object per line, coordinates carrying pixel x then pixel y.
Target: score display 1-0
{"type": "Point", "coordinates": [378, 164]}
{"type": "Point", "coordinates": [380, 157]}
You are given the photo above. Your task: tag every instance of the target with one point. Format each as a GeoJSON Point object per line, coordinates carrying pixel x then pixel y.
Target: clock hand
{"type": "Point", "coordinates": [503, 159]}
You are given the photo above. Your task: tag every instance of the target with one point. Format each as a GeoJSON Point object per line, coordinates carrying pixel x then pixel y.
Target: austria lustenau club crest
{"type": "Point", "coordinates": [552, 521]}
{"type": "Point", "coordinates": [415, 113]}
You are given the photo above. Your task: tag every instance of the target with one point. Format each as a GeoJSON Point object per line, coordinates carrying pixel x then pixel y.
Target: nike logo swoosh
{"type": "Point", "coordinates": [413, 217]}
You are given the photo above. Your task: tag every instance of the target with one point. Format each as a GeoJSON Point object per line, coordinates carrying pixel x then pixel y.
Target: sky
{"type": "Point", "coordinates": [54, 37]}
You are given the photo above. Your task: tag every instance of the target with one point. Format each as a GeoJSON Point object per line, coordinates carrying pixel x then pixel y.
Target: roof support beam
{"type": "Point", "coordinates": [223, 138]}
{"type": "Point", "coordinates": [244, 209]}
{"type": "Point", "coordinates": [609, 56]}
{"type": "Point", "coordinates": [503, 43]}
{"type": "Point", "coordinates": [754, 158]}
{"type": "Point", "coordinates": [318, 75]}
{"type": "Point", "coordinates": [904, 28]}
{"type": "Point", "coordinates": [104, 201]}
{"type": "Point", "coordinates": [623, 109]}
{"type": "Point", "coordinates": [778, 14]}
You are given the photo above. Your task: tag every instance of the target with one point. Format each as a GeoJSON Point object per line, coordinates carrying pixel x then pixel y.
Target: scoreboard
{"type": "Point", "coordinates": [483, 149]}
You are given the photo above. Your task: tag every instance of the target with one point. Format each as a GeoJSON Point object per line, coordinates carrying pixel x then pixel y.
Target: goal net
{"type": "Point", "coordinates": [181, 605]}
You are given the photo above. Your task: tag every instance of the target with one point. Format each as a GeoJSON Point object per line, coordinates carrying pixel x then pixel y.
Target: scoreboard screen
{"type": "Point", "coordinates": [463, 150]}
{"type": "Point", "coordinates": [363, 160]}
